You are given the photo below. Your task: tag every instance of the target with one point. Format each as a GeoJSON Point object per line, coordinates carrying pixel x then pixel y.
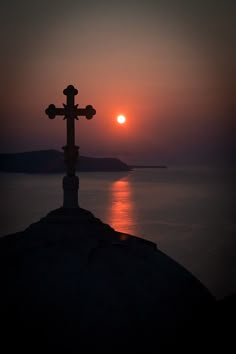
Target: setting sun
{"type": "Point", "coordinates": [121, 119]}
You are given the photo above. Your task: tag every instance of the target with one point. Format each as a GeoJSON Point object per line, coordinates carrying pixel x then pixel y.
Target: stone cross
{"type": "Point", "coordinates": [70, 111]}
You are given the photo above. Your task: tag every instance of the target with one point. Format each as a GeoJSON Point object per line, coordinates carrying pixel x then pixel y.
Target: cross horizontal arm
{"type": "Point", "coordinates": [87, 112]}
{"type": "Point", "coordinates": [52, 111]}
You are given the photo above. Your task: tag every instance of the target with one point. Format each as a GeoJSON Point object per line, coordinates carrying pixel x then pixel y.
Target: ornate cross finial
{"type": "Point", "coordinates": [70, 111]}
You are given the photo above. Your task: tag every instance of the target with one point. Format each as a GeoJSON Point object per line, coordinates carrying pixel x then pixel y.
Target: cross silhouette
{"type": "Point", "coordinates": [70, 111]}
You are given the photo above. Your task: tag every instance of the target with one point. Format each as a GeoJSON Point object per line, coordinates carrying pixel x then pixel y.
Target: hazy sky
{"type": "Point", "coordinates": [166, 65]}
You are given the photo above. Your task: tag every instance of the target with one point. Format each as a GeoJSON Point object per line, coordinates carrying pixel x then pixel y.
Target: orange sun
{"type": "Point", "coordinates": [121, 119]}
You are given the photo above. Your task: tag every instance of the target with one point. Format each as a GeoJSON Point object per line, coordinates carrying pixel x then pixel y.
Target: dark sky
{"type": "Point", "coordinates": [166, 65]}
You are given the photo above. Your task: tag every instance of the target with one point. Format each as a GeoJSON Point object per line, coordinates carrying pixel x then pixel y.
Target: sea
{"type": "Point", "coordinates": [186, 211]}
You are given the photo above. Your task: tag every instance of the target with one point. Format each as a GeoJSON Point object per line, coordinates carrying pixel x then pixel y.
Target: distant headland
{"type": "Point", "coordinates": [147, 166]}
{"type": "Point", "coordinates": [52, 161]}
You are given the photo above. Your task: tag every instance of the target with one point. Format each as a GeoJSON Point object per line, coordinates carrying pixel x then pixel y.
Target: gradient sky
{"type": "Point", "coordinates": [166, 65]}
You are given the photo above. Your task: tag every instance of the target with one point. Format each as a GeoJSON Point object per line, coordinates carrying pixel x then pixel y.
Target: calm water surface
{"type": "Point", "coordinates": [187, 212]}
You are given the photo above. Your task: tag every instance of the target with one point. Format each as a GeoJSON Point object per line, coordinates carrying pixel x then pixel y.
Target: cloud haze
{"type": "Point", "coordinates": [166, 66]}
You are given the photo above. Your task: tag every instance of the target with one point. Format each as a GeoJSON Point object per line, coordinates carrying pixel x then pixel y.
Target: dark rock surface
{"type": "Point", "coordinates": [70, 283]}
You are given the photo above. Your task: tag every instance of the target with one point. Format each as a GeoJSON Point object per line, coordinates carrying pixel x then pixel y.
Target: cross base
{"type": "Point", "coordinates": [70, 188]}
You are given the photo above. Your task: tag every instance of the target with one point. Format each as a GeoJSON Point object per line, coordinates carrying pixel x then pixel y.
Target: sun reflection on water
{"type": "Point", "coordinates": [121, 216]}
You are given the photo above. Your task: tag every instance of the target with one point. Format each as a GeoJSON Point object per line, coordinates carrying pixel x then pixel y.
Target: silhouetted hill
{"type": "Point", "coordinates": [52, 161]}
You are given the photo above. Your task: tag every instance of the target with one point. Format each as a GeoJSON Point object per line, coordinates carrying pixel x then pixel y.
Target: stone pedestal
{"type": "Point", "coordinates": [70, 188]}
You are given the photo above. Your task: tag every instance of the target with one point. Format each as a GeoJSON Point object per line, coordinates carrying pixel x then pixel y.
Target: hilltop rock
{"type": "Point", "coordinates": [70, 283]}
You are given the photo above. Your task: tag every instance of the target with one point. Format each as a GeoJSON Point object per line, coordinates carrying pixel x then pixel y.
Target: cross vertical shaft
{"type": "Point", "coordinates": [70, 132]}
{"type": "Point", "coordinates": [70, 122]}
{"type": "Point", "coordinates": [70, 113]}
